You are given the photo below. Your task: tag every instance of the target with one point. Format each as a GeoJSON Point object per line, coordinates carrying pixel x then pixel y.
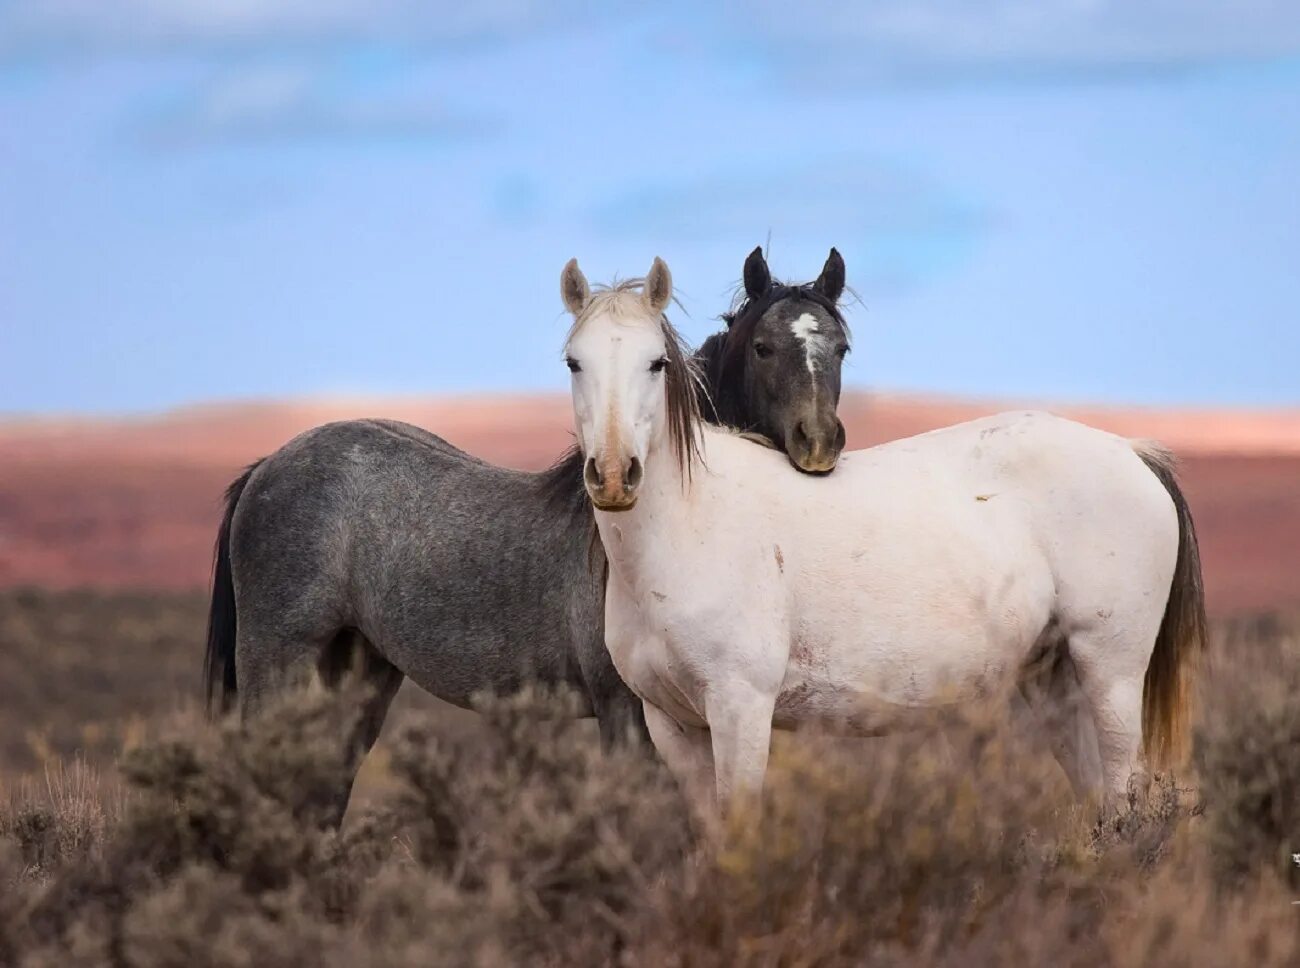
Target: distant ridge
{"type": "Point", "coordinates": [132, 501]}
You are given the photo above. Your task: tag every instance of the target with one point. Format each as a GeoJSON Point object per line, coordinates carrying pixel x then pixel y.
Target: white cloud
{"type": "Point", "coordinates": [865, 39]}
{"type": "Point", "coordinates": [284, 69]}
{"type": "Point", "coordinates": [280, 102]}
{"type": "Point", "coordinates": [51, 27]}
{"type": "Point", "coordinates": [275, 64]}
{"type": "Point", "coordinates": [939, 40]}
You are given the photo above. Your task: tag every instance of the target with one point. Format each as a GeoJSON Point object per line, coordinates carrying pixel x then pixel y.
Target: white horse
{"type": "Point", "coordinates": [924, 572]}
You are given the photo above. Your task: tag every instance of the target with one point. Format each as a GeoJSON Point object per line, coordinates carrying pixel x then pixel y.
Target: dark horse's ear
{"type": "Point", "coordinates": [831, 282]}
{"type": "Point", "coordinates": [573, 287]}
{"type": "Point", "coordinates": [757, 276]}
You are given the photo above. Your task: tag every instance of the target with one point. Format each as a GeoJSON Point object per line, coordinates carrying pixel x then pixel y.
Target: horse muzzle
{"type": "Point", "coordinates": [612, 483]}
{"type": "Point", "coordinates": [814, 446]}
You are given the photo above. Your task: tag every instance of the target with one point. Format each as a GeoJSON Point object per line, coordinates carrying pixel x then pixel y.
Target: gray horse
{"type": "Point", "coordinates": [376, 547]}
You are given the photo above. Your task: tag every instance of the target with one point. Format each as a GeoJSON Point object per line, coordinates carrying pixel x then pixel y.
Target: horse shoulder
{"type": "Point", "coordinates": [705, 614]}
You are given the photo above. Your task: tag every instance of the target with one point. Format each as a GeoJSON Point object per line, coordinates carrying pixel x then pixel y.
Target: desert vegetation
{"type": "Point", "coordinates": [157, 839]}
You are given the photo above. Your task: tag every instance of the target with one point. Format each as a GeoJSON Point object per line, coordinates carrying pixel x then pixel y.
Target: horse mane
{"type": "Point", "coordinates": [683, 381]}
{"type": "Point", "coordinates": [561, 484]}
{"type": "Point", "coordinates": [723, 353]}
{"type": "Point", "coordinates": [562, 488]}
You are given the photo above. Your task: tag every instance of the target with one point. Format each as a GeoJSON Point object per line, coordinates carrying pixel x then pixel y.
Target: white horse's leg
{"type": "Point", "coordinates": [740, 720]}
{"type": "Point", "coordinates": [1078, 731]}
{"type": "Point", "coordinates": [1051, 705]}
{"type": "Point", "coordinates": [1112, 686]}
{"type": "Point", "coordinates": [687, 751]}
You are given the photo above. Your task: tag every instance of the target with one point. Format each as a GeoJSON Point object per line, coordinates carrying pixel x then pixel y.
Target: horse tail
{"type": "Point", "coordinates": [1167, 690]}
{"type": "Point", "coordinates": [219, 663]}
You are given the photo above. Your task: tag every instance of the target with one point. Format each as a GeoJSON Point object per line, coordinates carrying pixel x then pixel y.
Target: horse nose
{"type": "Point", "coordinates": [800, 436]}
{"type": "Point", "coordinates": [816, 448]}
{"type": "Point", "coordinates": [612, 483]}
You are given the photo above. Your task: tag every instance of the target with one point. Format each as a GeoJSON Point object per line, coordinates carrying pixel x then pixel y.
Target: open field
{"type": "Point", "coordinates": [133, 833]}
{"type": "Point", "coordinates": [88, 675]}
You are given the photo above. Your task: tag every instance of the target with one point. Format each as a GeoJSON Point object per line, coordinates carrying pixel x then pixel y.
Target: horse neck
{"type": "Point", "coordinates": [724, 400]}
{"type": "Point", "coordinates": [561, 524]}
{"type": "Point", "coordinates": [631, 538]}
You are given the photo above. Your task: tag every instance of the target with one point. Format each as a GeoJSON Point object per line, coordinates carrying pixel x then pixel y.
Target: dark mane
{"type": "Point", "coordinates": [562, 488]}
{"type": "Point", "coordinates": [561, 484]}
{"type": "Point", "coordinates": [722, 356]}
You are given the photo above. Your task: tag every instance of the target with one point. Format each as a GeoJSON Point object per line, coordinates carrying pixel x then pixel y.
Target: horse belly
{"type": "Point", "coordinates": [887, 702]}
{"type": "Point", "coordinates": [834, 708]}
{"type": "Point", "coordinates": [889, 660]}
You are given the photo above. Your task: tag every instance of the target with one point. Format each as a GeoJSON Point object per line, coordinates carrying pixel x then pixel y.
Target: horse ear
{"type": "Point", "coordinates": [831, 282]}
{"type": "Point", "coordinates": [573, 287]}
{"type": "Point", "coordinates": [658, 290]}
{"type": "Point", "coordinates": [757, 276]}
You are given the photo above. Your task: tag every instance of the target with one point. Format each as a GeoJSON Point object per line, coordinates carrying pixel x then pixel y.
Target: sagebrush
{"type": "Point", "coordinates": [520, 842]}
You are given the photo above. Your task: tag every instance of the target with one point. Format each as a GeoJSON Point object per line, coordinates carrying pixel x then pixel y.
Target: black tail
{"type": "Point", "coordinates": [219, 664]}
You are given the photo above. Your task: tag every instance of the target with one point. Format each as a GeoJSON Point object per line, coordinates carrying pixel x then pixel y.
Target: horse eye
{"type": "Point", "coordinates": [658, 365]}
{"type": "Point", "coordinates": [762, 350]}
{"type": "Point", "coordinates": [842, 352]}
{"type": "Point", "coordinates": [572, 364]}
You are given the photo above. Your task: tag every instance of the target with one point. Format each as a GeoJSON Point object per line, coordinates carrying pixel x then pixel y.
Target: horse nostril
{"type": "Point", "coordinates": [633, 477]}
{"type": "Point", "coordinates": [591, 474]}
{"type": "Point", "coordinates": [800, 433]}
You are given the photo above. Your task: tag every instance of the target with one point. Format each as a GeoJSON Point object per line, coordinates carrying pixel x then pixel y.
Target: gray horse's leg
{"type": "Point", "coordinates": [268, 667]}
{"type": "Point", "coordinates": [272, 662]}
{"type": "Point", "coordinates": [621, 716]}
{"type": "Point", "coordinates": [351, 654]}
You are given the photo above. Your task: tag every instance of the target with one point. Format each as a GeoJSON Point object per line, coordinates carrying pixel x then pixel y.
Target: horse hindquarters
{"type": "Point", "coordinates": [291, 599]}
{"type": "Point", "coordinates": [1114, 607]}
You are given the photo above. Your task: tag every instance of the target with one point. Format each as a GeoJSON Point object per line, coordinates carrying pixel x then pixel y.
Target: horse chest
{"type": "Point", "coordinates": [673, 647]}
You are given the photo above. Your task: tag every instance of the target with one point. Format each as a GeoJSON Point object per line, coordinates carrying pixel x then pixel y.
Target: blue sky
{"type": "Point", "coordinates": [1066, 199]}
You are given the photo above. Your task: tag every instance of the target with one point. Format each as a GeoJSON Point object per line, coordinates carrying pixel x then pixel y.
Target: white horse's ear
{"type": "Point", "coordinates": [658, 289]}
{"type": "Point", "coordinates": [831, 282]}
{"type": "Point", "coordinates": [574, 288]}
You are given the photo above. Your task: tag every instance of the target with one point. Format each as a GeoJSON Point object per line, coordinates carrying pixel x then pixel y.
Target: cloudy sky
{"type": "Point", "coordinates": [1070, 199]}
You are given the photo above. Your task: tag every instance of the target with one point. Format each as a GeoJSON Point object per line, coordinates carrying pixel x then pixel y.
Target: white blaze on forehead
{"type": "Point", "coordinates": [805, 329]}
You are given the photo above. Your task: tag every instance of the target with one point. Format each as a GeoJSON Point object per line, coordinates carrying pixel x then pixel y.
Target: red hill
{"type": "Point", "coordinates": [133, 502]}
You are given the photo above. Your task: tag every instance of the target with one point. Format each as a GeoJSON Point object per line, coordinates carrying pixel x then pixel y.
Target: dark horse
{"type": "Point", "coordinates": [775, 369]}
{"type": "Point", "coordinates": [376, 547]}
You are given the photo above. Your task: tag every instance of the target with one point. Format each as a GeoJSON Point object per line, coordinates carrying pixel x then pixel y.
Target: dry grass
{"type": "Point", "coordinates": [518, 842]}
{"type": "Point", "coordinates": [88, 676]}
{"type": "Point", "coordinates": [86, 673]}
